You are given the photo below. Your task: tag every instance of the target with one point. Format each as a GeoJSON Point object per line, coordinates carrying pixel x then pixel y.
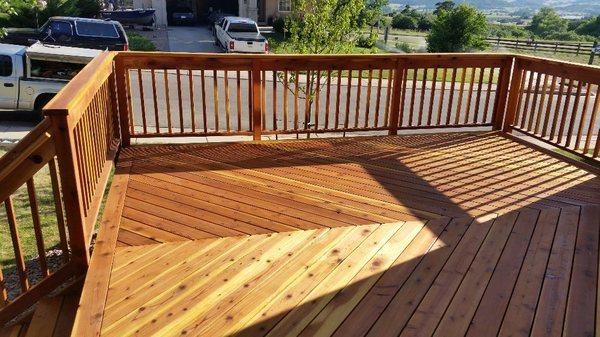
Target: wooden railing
{"type": "Point", "coordinates": [75, 146]}
{"type": "Point", "coordinates": [166, 95]}
{"type": "Point", "coordinates": [557, 103]}
{"type": "Point", "coordinates": [120, 96]}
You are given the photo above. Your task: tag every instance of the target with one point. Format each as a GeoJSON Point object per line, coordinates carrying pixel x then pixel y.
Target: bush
{"type": "Point", "coordinates": [279, 25]}
{"type": "Point", "coordinates": [462, 28]}
{"type": "Point", "coordinates": [405, 47]}
{"type": "Point", "coordinates": [425, 22]}
{"type": "Point", "coordinates": [367, 41]}
{"type": "Point", "coordinates": [140, 43]}
{"type": "Point", "coordinates": [402, 21]}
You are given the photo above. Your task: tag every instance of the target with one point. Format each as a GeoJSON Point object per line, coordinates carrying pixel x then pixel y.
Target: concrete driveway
{"type": "Point", "coordinates": [191, 39]}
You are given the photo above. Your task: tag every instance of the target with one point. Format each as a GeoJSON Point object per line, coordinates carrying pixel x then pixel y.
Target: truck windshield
{"type": "Point", "coordinates": [242, 27]}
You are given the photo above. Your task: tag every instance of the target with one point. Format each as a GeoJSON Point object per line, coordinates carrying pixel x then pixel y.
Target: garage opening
{"type": "Point", "coordinates": [208, 7]}
{"type": "Point", "coordinates": [200, 10]}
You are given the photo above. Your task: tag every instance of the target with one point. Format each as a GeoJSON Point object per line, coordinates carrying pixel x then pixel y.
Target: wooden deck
{"type": "Point", "coordinates": [426, 235]}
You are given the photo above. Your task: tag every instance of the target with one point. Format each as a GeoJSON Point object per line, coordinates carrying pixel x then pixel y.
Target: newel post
{"type": "Point", "coordinates": [396, 98]}
{"type": "Point", "coordinates": [64, 142]}
{"type": "Point", "coordinates": [123, 95]}
{"type": "Point", "coordinates": [514, 95]}
{"type": "Point", "coordinates": [256, 103]}
{"type": "Point", "coordinates": [502, 90]}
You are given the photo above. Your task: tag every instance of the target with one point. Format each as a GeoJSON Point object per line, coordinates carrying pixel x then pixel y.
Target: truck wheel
{"type": "Point", "coordinates": [40, 102]}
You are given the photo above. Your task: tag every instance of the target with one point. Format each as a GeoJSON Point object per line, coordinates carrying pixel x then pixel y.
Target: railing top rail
{"type": "Point", "coordinates": [82, 88]}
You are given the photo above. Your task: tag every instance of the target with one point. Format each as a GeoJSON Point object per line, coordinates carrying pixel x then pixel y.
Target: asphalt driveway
{"type": "Point", "coordinates": [191, 39]}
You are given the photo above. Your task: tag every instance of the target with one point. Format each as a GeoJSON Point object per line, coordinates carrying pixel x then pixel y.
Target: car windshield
{"type": "Point", "coordinates": [242, 27]}
{"type": "Point", "coordinates": [96, 29]}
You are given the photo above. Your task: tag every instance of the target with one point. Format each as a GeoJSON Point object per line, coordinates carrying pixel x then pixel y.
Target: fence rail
{"type": "Point", "coordinates": [576, 48]}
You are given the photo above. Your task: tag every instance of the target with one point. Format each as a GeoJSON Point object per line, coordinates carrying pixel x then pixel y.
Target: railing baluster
{"type": "Point", "coordinates": [4, 293]}
{"type": "Point", "coordinates": [549, 107]}
{"type": "Point", "coordinates": [256, 104]}
{"type": "Point", "coordinates": [378, 98]}
{"type": "Point", "coordinates": [586, 103]}
{"type": "Point", "coordinates": [557, 107]}
{"type": "Point", "coordinates": [317, 99]}
{"type": "Point", "coordinates": [590, 131]}
{"type": "Point", "coordinates": [296, 102]}
{"type": "Point", "coordinates": [461, 93]}
{"type": "Point", "coordinates": [470, 96]}
{"type": "Point", "coordinates": [154, 99]}
{"type": "Point", "coordinates": [488, 95]}
{"type": "Point", "coordinates": [541, 104]}
{"type": "Point", "coordinates": [368, 103]}
{"type": "Point", "coordinates": [348, 95]}
{"type": "Point", "coordinates": [179, 99]}
{"type": "Point", "coordinates": [432, 96]}
{"type": "Point", "coordinates": [328, 99]}
{"type": "Point", "coordinates": [285, 100]}
{"type": "Point", "coordinates": [337, 99]}
{"type": "Point", "coordinates": [239, 100]}
{"type": "Point", "coordinates": [531, 112]}
{"type": "Point", "coordinates": [37, 227]}
{"type": "Point", "coordinates": [192, 107]}
{"type": "Point", "coordinates": [142, 102]}
{"type": "Point", "coordinates": [263, 98]}
{"type": "Point", "coordinates": [388, 97]}
{"type": "Point", "coordinates": [203, 89]}
{"type": "Point", "coordinates": [451, 96]}
{"type": "Point", "coordinates": [563, 117]}
{"type": "Point", "coordinates": [227, 102]}
{"type": "Point", "coordinates": [274, 100]}
{"type": "Point", "coordinates": [168, 102]}
{"type": "Point", "coordinates": [216, 99]}
{"type": "Point", "coordinates": [358, 94]}
{"type": "Point", "coordinates": [422, 98]}
{"type": "Point", "coordinates": [58, 209]}
{"type": "Point", "coordinates": [442, 94]}
{"type": "Point", "coordinates": [307, 99]}
{"type": "Point", "coordinates": [415, 73]}
{"type": "Point", "coordinates": [574, 113]}
{"type": "Point", "coordinates": [16, 242]}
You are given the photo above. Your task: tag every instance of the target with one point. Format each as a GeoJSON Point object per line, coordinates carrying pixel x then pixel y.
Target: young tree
{"type": "Point", "coordinates": [547, 22]}
{"type": "Point", "coordinates": [325, 27]}
{"type": "Point", "coordinates": [403, 21]}
{"type": "Point", "coordinates": [463, 28]}
{"type": "Point", "coordinates": [5, 10]}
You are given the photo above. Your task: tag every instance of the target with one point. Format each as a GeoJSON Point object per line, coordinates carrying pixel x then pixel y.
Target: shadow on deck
{"type": "Point", "coordinates": [464, 234]}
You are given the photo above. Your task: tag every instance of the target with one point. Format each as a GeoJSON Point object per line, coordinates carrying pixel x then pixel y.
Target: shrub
{"type": "Point", "coordinates": [279, 25]}
{"type": "Point", "coordinates": [140, 43]}
{"type": "Point", "coordinates": [462, 28]}
{"type": "Point", "coordinates": [405, 47]}
{"type": "Point", "coordinates": [367, 41]}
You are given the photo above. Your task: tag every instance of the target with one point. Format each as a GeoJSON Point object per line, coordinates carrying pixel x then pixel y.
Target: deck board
{"type": "Point", "coordinates": [464, 234]}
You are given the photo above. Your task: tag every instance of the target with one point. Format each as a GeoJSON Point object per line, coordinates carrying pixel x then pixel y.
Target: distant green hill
{"type": "Point", "coordinates": [586, 7]}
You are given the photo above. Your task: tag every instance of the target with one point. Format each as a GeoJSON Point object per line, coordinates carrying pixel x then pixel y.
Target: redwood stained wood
{"type": "Point", "coordinates": [334, 212]}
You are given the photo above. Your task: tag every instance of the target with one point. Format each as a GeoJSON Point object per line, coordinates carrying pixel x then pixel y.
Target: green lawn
{"type": "Point", "coordinates": [24, 220]}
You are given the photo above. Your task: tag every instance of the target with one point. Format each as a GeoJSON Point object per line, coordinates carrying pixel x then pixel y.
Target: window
{"type": "Point", "coordinates": [96, 29]}
{"type": "Point", "coordinates": [60, 30]}
{"type": "Point", "coordinates": [5, 65]}
{"type": "Point", "coordinates": [242, 27]}
{"type": "Point", "coordinates": [285, 5]}
{"type": "Point", "coordinates": [54, 70]}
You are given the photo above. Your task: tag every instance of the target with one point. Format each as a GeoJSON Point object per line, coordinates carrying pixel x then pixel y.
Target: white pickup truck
{"type": "Point", "coordinates": [31, 76]}
{"type": "Point", "coordinates": [239, 35]}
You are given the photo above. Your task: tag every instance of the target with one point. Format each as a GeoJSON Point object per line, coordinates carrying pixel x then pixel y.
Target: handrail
{"type": "Point", "coordinates": [277, 94]}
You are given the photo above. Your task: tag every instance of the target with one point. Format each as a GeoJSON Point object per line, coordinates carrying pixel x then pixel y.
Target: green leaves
{"type": "Point", "coordinates": [547, 22]}
{"type": "Point", "coordinates": [459, 29]}
{"type": "Point", "coordinates": [323, 26]}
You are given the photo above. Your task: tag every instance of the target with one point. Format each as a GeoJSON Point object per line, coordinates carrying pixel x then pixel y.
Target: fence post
{"type": "Point", "coordinates": [256, 103]}
{"type": "Point", "coordinates": [593, 52]}
{"type": "Point", "coordinates": [396, 98]}
{"type": "Point", "coordinates": [124, 100]}
{"type": "Point", "coordinates": [62, 133]}
{"type": "Point", "coordinates": [502, 92]}
{"type": "Point", "coordinates": [513, 96]}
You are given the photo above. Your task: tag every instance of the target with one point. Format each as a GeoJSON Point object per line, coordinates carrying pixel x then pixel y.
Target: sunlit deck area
{"type": "Point", "coordinates": [464, 234]}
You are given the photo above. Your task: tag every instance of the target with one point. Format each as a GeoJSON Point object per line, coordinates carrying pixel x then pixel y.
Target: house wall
{"type": "Point", "coordinates": [159, 5]}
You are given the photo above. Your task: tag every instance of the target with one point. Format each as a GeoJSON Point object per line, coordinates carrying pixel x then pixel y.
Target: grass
{"type": "Point", "coordinates": [48, 219]}
{"type": "Point", "coordinates": [140, 43]}
{"type": "Point", "coordinates": [579, 158]}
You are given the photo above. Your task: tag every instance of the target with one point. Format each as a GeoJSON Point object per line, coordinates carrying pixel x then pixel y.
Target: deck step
{"type": "Point", "coordinates": [54, 316]}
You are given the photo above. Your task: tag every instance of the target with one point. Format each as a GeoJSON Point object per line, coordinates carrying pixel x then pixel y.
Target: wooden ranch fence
{"type": "Point", "coordinates": [119, 96]}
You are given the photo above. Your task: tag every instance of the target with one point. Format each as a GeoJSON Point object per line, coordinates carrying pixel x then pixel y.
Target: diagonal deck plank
{"type": "Point", "coordinates": [464, 234]}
